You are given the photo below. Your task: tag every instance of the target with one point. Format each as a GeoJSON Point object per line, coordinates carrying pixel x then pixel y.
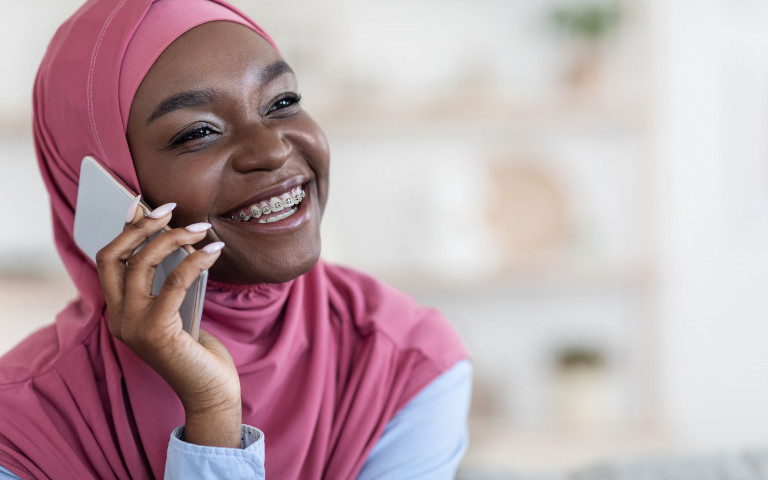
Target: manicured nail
{"type": "Point", "coordinates": [132, 209]}
{"type": "Point", "coordinates": [198, 227]}
{"type": "Point", "coordinates": [213, 247]}
{"type": "Point", "coordinates": [162, 210]}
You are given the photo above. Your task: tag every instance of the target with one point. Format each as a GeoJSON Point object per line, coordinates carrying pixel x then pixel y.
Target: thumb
{"type": "Point", "coordinates": [213, 345]}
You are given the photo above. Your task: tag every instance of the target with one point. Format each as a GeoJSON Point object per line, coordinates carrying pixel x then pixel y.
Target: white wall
{"type": "Point", "coordinates": [712, 173]}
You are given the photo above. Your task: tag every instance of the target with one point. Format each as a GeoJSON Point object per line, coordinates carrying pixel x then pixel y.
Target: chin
{"type": "Point", "coordinates": [282, 269]}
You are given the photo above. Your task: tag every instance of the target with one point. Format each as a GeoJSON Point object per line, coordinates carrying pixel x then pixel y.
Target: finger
{"type": "Point", "coordinates": [140, 268]}
{"type": "Point", "coordinates": [168, 301]}
{"type": "Point", "coordinates": [111, 259]}
{"type": "Point", "coordinates": [113, 288]}
{"type": "Point", "coordinates": [132, 214]}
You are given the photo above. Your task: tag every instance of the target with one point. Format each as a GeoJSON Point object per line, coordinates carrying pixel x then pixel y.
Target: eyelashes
{"type": "Point", "coordinates": [286, 101]}
{"type": "Point", "coordinates": [195, 133]}
{"type": "Point", "coordinates": [196, 136]}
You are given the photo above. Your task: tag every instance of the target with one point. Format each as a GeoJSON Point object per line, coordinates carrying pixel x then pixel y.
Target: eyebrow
{"type": "Point", "coordinates": [190, 99]}
{"type": "Point", "coordinates": [273, 71]}
{"type": "Point", "coordinates": [198, 98]}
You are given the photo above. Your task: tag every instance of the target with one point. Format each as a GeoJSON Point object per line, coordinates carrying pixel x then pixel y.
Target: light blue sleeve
{"type": "Point", "coordinates": [6, 474]}
{"type": "Point", "coordinates": [425, 440]}
{"type": "Point", "coordinates": [190, 461]}
{"type": "Point", "coordinates": [428, 437]}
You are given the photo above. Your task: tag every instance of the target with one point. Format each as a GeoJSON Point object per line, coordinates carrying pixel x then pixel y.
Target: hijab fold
{"type": "Point", "coordinates": [325, 360]}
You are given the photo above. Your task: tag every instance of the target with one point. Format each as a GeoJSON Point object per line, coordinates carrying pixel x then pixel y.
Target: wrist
{"type": "Point", "coordinates": [214, 426]}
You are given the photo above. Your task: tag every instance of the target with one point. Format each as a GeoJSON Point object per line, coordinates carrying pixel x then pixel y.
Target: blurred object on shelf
{"type": "Point", "coordinates": [528, 215]}
{"type": "Point", "coordinates": [583, 389]}
{"type": "Point", "coordinates": [587, 29]}
{"type": "Point", "coordinates": [591, 22]}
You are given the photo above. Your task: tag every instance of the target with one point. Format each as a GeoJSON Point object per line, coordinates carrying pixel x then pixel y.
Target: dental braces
{"type": "Point", "coordinates": [267, 209]}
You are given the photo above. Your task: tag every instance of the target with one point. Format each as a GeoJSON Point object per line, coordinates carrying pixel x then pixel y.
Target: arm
{"type": "Point", "coordinates": [428, 437]}
{"type": "Point", "coordinates": [425, 440]}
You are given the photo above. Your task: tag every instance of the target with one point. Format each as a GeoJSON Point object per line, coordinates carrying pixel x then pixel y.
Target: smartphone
{"type": "Point", "coordinates": [100, 216]}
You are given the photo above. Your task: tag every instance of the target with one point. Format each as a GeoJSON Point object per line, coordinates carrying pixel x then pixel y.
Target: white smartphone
{"type": "Point", "coordinates": [99, 217]}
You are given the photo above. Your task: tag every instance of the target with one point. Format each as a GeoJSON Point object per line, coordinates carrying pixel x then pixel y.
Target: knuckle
{"type": "Point", "coordinates": [104, 257]}
{"type": "Point", "coordinates": [175, 280]}
{"type": "Point", "coordinates": [142, 224]}
{"type": "Point", "coordinates": [177, 237]}
{"type": "Point", "coordinates": [132, 227]}
{"type": "Point", "coordinates": [143, 229]}
{"type": "Point", "coordinates": [136, 264]}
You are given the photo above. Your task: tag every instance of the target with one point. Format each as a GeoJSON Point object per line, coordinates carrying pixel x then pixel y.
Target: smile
{"type": "Point", "coordinates": [262, 211]}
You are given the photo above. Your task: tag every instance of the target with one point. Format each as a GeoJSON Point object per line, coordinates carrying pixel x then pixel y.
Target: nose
{"type": "Point", "coordinates": [262, 147]}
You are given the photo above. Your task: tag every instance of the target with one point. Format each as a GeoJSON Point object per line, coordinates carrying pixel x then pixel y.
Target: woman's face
{"type": "Point", "coordinates": [216, 126]}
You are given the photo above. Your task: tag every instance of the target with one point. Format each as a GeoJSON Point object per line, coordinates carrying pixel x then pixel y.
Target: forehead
{"type": "Point", "coordinates": [209, 55]}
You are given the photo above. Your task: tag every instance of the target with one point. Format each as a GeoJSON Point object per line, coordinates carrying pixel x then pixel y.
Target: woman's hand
{"type": "Point", "coordinates": [202, 374]}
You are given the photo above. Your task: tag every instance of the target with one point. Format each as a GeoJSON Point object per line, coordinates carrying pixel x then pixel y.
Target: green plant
{"type": "Point", "coordinates": [590, 21]}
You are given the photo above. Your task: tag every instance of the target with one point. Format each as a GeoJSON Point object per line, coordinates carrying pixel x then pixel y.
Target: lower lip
{"type": "Point", "coordinates": [280, 227]}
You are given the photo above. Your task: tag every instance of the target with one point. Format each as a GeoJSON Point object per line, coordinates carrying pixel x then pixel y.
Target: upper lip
{"type": "Point", "coordinates": [269, 192]}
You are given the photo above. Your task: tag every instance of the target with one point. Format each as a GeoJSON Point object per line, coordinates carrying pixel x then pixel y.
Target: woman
{"type": "Point", "coordinates": [190, 104]}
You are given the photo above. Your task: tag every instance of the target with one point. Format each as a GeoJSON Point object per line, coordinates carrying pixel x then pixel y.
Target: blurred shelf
{"type": "Point", "coordinates": [510, 447]}
{"type": "Point", "coordinates": [27, 304]}
{"type": "Point", "coordinates": [639, 278]}
{"type": "Point", "coordinates": [484, 114]}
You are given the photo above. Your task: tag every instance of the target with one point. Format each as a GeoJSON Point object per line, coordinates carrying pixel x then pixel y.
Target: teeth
{"type": "Point", "coordinates": [276, 204]}
{"type": "Point", "coordinates": [279, 217]}
{"type": "Point", "coordinates": [288, 200]}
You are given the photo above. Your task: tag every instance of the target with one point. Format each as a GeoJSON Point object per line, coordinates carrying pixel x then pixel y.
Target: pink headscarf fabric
{"type": "Point", "coordinates": [325, 360]}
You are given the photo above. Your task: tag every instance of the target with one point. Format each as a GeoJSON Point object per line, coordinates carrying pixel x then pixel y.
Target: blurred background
{"type": "Point", "coordinates": [581, 186]}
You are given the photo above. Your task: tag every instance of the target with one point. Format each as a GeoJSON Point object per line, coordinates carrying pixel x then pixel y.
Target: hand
{"type": "Point", "coordinates": [202, 373]}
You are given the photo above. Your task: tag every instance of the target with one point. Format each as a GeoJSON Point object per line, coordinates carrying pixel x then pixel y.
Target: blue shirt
{"type": "Point", "coordinates": [425, 440]}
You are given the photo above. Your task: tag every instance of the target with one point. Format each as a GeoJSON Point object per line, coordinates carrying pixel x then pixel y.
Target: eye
{"type": "Point", "coordinates": [195, 133]}
{"type": "Point", "coordinates": [286, 101]}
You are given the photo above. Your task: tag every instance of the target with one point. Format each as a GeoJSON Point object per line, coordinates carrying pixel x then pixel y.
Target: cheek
{"type": "Point", "coordinates": [315, 146]}
{"type": "Point", "coordinates": [192, 186]}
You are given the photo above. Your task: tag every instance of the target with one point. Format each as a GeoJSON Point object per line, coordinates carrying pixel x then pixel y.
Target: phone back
{"type": "Point", "coordinates": [100, 216]}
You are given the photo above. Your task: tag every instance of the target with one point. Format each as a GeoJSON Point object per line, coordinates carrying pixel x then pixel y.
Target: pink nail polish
{"type": "Point", "coordinates": [132, 209]}
{"type": "Point", "coordinates": [213, 247]}
{"type": "Point", "coordinates": [162, 210]}
{"type": "Point", "coordinates": [198, 227]}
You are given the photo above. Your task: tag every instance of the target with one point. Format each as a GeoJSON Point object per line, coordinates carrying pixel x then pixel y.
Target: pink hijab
{"type": "Point", "coordinates": [325, 360]}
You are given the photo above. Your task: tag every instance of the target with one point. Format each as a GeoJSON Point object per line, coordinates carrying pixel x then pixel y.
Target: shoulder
{"type": "Point", "coordinates": [31, 356]}
{"type": "Point", "coordinates": [70, 340]}
{"type": "Point", "coordinates": [376, 307]}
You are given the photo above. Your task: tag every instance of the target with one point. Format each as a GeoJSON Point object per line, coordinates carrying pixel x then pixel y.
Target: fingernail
{"type": "Point", "coordinates": [198, 227]}
{"type": "Point", "coordinates": [162, 210]}
{"type": "Point", "coordinates": [132, 209]}
{"type": "Point", "coordinates": [213, 247]}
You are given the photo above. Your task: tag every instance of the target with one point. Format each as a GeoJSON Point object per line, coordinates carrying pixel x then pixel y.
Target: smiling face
{"type": "Point", "coordinates": [216, 126]}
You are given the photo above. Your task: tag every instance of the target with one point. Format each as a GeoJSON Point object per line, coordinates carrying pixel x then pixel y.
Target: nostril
{"type": "Point", "coordinates": [264, 149]}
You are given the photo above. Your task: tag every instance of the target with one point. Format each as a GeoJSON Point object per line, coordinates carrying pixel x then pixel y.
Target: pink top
{"type": "Point", "coordinates": [325, 360]}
